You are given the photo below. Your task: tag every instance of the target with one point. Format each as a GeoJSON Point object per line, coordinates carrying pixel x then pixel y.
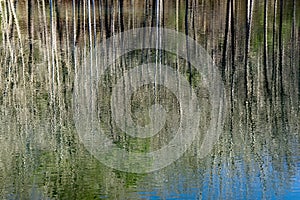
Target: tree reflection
{"type": "Point", "coordinates": [254, 44]}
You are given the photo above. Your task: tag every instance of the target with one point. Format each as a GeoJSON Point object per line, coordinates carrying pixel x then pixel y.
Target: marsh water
{"type": "Point", "coordinates": [255, 47]}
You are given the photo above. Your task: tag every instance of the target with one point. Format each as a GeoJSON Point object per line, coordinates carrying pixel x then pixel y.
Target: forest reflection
{"type": "Point", "coordinates": [254, 45]}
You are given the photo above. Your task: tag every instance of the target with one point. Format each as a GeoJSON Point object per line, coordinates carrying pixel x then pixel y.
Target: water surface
{"type": "Point", "coordinates": [255, 48]}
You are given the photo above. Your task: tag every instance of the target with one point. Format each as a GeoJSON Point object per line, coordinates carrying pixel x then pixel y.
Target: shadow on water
{"type": "Point", "coordinates": [255, 46]}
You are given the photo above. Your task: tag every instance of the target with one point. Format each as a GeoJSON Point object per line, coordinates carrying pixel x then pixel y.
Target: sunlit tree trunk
{"type": "Point", "coordinates": [30, 35]}
{"type": "Point", "coordinates": [177, 15]}
{"type": "Point", "coordinates": [94, 22]}
{"type": "Point", "coordinates": [90, 32]}
{"type": "Point", "coordinates": [233, 38]}
{"type": "Point", "coordinates": [247, 68]}
{"type": "Point", "coordinates": [248, 77]}
{"type": "Point", "coordinates": [73, 39]}
{"type": "Point", "coordinates": [177, 29]}
{"type": "Point", "coordinates": [51, 60]}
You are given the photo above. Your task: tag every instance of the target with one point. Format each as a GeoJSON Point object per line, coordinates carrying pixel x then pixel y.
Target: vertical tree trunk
{"type": "Point", "coordinates": [153, 20]}
{"type": "Point", "coordinates": [247, 68]}
{"type": "Point", "coordinates": [59, 28]}
{"type": "Point", "coordinates": [274, 52]}
{"type": "Point", "coordinates": [186, 22]}
{"type": "Point", "coordinates": [121, 15]}
{"type": "Point", "coordinates": [232, 69]}
{"type": "Point", "coordinates": [74, 33]}
{"type": "Point", "coordinates": [232, 29]}
{"type": "Point", "coordinates": [100, 19]}
{"type": "Point", "coordinates": [162, 13]}
{"type": "Point", "coordinates": [79, 5]}
{"type": "Point", "coordinates": [280, 44]}
{"type": "Point", "coordinates": [30, 35]}
{"type": "Point", "coordinates": [107, 18]}
{"type": "Point", "coordinates": [177, 14]}
{"type": "Point", "coordinates": [225, 39]}
{"type": "Point", "coordinates": [94, 22]}
{"type": "Point", "coordinates": [296, 49]}
{"type": "Point", "coordinates": [90, 25]}
{"type": "Point", "coordinates": [52, 53]}
{"type": "Point", "coordinates": [284, 118]}
{"type": "Point", "coordinates": [146, 10]}
{"type": "Point", "coordinates": [265, 54]}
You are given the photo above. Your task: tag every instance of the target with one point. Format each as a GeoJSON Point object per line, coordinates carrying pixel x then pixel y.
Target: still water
{"type": "Point", "coordinates": [253, 47]}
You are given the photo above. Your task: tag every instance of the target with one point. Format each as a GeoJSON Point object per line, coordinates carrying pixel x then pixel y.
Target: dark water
{"type": "Point", "coordinates": [255, 49]}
